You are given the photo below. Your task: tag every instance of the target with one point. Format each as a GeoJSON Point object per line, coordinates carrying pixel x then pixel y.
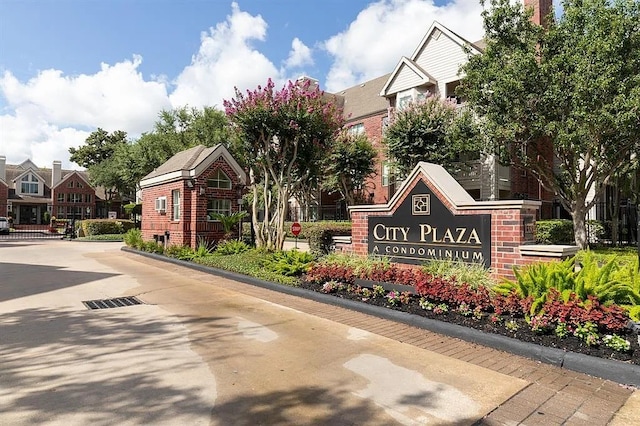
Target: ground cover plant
{"type": "Point", "coordinates": [587, 310]}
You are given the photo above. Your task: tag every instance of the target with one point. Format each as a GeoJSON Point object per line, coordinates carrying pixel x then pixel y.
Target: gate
{"type": "Point", "coordinates": [31, 232]}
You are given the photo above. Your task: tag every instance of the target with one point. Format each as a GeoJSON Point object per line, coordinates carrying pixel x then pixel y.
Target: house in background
{"type": "Point", "coordinates": [27, 192]}
{"type": "Point", "coordinates": [179, 196]}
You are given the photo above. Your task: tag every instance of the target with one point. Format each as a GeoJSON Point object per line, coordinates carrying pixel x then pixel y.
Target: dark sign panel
{"type": "Point", "coordinates": [422, 229]}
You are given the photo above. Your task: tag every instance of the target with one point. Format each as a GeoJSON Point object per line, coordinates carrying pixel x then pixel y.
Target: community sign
{"type": "Point", "coordinates": [422, 228]}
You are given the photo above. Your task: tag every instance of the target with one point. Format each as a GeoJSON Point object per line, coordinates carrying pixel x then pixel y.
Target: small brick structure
{"type": "Point", "coordinates": [186, 174]}
{"type": "Point", "coordinates": [512, 222]}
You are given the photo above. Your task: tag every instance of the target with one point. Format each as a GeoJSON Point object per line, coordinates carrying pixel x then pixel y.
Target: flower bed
{"type": "Point", "coordinates": [563, 322]}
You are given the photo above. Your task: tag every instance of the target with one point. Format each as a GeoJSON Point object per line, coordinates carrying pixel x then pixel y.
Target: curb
{"type": "Point", "coordinates": [616, 371]}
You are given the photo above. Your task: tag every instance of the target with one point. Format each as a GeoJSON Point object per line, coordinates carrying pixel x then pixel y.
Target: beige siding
{"type": "Point", "coordinates": [442, 58]}
{"type": "Point", "coordinates": [405, 79]}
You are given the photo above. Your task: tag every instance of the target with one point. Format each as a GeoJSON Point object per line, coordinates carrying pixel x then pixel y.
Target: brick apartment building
{"type": "Point", "coordinates": [432, 70]}
{"type": "Point", "coordinates": [29, 192]}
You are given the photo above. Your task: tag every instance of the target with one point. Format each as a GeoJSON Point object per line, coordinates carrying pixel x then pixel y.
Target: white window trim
{"type": "Point", "coordinates": [175, 206]}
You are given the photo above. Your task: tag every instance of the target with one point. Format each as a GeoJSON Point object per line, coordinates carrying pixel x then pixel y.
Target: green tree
{"type": "Point", "coordinates": [98, 147]}
{"type": "Point", "coordinates": [574, 86]}
{"type": "Point", "coordinates": [284, 133]}
{"type": "Point", "coordinates": [350, 162]}
{"type": "Point", "coordinates": [430, 130]}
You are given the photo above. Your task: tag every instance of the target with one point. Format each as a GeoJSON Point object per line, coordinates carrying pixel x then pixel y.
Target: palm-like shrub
{"type": "Point", "coordinates": [228, 222]}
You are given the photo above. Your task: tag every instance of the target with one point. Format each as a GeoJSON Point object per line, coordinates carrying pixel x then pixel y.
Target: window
{"type": "Point", "coordinates": [175, 212]}
{"type": "Point", "coordinates": [357, 129]}
{"type": "Point", "coordinates": [74, 198]}
{"type": "Point", "coordinates": [29, 184]}
{"type": "Point", "coordinates": [79, 185]}
{"type": "Point", "coordinates": [219, 180]}
{"type": "Point", "coordinates": [70, 184]}
{"type": "Point", "coordinates": [87, 198]}
{"type": "Point", "coordinates": [161, 204]}
{"type": "Point", "coordinates": [61, 212]}
{"type": "Point", "coordinates": [403, 102]}
{"type": "Point", "coordinates": [387, 173]}
{"type": "Point", "coordinates": [61, 198]}
{"type": "Point", "coordinates": [217, 205]}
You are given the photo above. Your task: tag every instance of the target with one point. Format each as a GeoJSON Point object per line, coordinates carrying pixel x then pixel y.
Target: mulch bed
{"type": "Point", "coordinates": [523, 332]}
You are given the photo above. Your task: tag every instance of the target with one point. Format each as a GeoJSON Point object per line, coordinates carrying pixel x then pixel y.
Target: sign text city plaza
{"type": "Point", "coordinates": [422, 228]}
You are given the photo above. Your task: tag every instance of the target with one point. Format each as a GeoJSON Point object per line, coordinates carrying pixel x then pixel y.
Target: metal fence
{"type": "Point", "coordinates": [627, 225]}
{"type": "Point", "coordinates": [31, 232]}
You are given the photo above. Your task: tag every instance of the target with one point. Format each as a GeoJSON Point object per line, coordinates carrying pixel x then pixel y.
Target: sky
{"type": "Point", "coordinates": [68, 67]}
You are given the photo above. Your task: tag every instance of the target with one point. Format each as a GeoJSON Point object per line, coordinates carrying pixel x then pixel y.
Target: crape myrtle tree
{"type": "Point", "coordinates": [284, 135]}
{"type": "Point", "coordinates": [432, 130]}
{"type": "Point", "coordinates": [574, 86]}
{"type": "Point", "coordinates": [350, 162]}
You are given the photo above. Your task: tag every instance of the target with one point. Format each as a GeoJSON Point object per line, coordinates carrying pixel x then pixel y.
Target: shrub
{"type": "Point", "coordinates": [152, 247]}
{"type": "Point", "coordinates": [106, 226]}
{"type": "Point", "coordinates": [472, 273]}
{"type": "Point", "coordinates": [247, 263]}
{"type": "Point", "coordinates": [179, 252]}
{"type": "Point", "coordinates": [289, 263]}
{"type": "Point", "coordinates": [228, 247]}
{"type": "Point", "coordinates": [104, 237]}
{"type": "Point", "coordinates": [595, 231]}
{"type": "Point", "coordinates": [133, 238]}
{"type": "Point", "coordinates": [321, 234]}
{"type": "Point", "coordinates": [204, 249]}
{"type": "Point", "coordinates": [557, 231]}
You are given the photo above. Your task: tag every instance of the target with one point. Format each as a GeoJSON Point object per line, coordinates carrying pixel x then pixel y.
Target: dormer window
{"type": "Point", "coordinates": [29, 184]}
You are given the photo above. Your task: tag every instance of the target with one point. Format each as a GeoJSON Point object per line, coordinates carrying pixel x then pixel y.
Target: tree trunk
{"type": "Point", "coordinates": [579, 225]}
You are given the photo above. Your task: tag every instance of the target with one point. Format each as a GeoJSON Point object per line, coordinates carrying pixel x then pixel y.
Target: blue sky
{"type": "Point", "coordinates": [70, 66]}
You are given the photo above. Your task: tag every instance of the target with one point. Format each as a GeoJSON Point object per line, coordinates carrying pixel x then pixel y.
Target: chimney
{"type": "Point", "coordinates": [3, 168]}
{"type": "Point", "coordinates": [56, 173]}
{"type": "Point", "coordinates": [541, 9]}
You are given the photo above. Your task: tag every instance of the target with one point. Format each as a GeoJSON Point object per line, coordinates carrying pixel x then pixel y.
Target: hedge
{"type": "Point", "coordinates": [105, 226]}
{"type": "Point", "coordinates": [560, 231]}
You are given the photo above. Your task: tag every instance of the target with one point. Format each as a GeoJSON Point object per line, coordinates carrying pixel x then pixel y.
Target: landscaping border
{"type": "Point", "coordinates": [617, 371]}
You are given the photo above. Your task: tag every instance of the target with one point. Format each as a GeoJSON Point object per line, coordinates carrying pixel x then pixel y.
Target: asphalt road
{"type": "Point", "coordinates": [201, 352]}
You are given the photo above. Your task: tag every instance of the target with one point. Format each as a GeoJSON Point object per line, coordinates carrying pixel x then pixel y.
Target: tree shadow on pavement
{"type": "Point", "coordinates": [116, 366]}
{"type": "Point", "coordinates": [41, 278]}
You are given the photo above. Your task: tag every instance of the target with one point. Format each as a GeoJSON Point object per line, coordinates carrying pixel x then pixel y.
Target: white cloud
{"type": "Point", "coordinates": [300, 55]}
{"type": "Point", "coordinates": [52, 112]}
{"type": "Point", "coordinates": [226, 59]}
{"type": "Point", "coordinates": [389, 29]}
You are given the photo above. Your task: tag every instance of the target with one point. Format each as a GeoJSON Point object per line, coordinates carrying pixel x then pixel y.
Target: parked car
{"type": "Point", "coordinates": [4, 225]}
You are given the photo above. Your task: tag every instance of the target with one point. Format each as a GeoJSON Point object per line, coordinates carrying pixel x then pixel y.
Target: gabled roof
{"type": "Point", "coordinates": [405, 66]}
{"type": "Point", "coordinates": [191, 163]}
{"type": "Point", "coordinates": [81, 176]}
{"type": "Point", "coordinates": [363, 99]}
{"type": "Point", "coordinates": [30, 170]}
{"type": "Point", "coordinates": [410, 64]}
{"type": "Point", "coordinates": [436, 26]}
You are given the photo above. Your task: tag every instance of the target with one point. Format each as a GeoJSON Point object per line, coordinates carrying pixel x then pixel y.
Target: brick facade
{"type": "Point", "coordinates": [73, 197]}
{"type": "Point", "coordinates": [193, 225]}
{"type": "Point", "coordinates": [4, 195]}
